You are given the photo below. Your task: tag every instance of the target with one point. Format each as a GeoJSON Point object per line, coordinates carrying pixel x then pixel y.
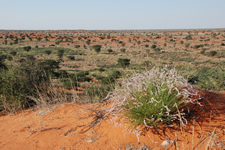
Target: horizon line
{"type": "Point", "coordinates": [107, 29]}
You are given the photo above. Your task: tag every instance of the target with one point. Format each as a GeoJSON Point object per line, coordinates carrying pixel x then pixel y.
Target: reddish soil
{"type": "Point", "coordinates": [74, 126]}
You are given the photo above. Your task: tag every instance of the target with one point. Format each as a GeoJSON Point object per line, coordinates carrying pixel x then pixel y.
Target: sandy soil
{"type": "Point", "coordinates": [76, 126]}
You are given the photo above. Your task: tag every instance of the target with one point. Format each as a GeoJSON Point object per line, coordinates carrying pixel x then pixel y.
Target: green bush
{"type": "Point", "coordinates": [27, 48]}
{"type": "Point", "coordinates": [212, 53]}
{"type": "Point", "coordinates": [71, 57]}
{"type": "Point", "coordinates": [13, 53]}
{"type": "Point", "coordinates": [19, 83]}
{"type": "Point", "coordinates": [60, 53]}
{"type": "Point", "coordinates": [48, 52]}
{"type": "Point", "coordinates": [110, 50]}
{"type": "Point", "coordinates": [152, 98]}
{"type": "Point", "coordinates": [97, 48]}
{"type": "Point", "coordinates": [153, 46]}
{"type": "Point", "coordinates": [123, 62]}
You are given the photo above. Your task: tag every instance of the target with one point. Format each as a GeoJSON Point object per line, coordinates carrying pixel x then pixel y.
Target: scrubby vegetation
{"type": "Point", "coordinates": [93, 64]}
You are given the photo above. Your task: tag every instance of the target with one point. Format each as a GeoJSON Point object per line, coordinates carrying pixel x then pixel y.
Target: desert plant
{"type": "Point", "coordinates": [153, 46]}
{"type": "Point", "coordinates": [3, 57]}
{"type": "Point", "coordinates": [208, 79]}
{"type": "Point", "coordinates": [97, 48]}
{"type": "Point", "coordinates": [212, 53]}
{"type": "Point", "coordinates": [27, 48]}
{"type": "Point", "coordinates": [18, 83]}
{"type": "Point", "coordinates": [110, 50]}
{"type": "Point", "coordinates": [187, 45]}
{"type": "Point", "coordinates": [123, 50]}
{"type": "Point", "coordinates": [123, 62]}
{"type": "Point", "coordinates": [60, 53]}
{"type": "Point", "coordinates": [77, 46]}
{"type": "Point", "coordinates": [13, 53]}
{"type": "Point", "coordinates": [71, 57]}
{"type": "Point", "coordinates": [3, 66]}
{"type": "Point", "coordinates": [48, 52]}
{"type": "Point", "coordinates": [153, 98]}
{"type": "Point", "coordinates": [203, 51]}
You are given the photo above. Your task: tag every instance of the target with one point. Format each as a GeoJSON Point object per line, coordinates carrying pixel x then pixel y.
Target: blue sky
{"type": "Point", "coordinates": [111, 14]}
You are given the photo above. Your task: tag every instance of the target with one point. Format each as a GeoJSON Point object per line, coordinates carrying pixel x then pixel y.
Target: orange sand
{"type": "Point", "coordinates": [68, 126]}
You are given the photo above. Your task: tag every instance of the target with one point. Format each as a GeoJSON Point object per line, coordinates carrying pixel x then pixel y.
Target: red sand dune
{"type": "Point", "coordinates": [73, 126]}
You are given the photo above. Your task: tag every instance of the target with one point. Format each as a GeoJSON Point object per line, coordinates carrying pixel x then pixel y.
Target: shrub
{"type": "Point", "coordinates": [110, 50]}
{"type": "Point", "coordinates": [212, 53]}
{"type": "Point", "coordinates": [208, 79]}
{"type": "Point", "coordinates": [3, 66]}
{"type": "Point", "coordinates": [157, 49]}
{"type": "Point", "coordinates": [198, 46]}
{"type": "Point", "coordinates": [48, 52]}
{"type": "Point", "coordinates": [152, 98]}
{"type": "Point", "coordinates": [19, 83]}
{"type": "Point", "coordinates": [123, 62]}
{"type": "Point", "coordinates": [27, 48]}
{"type": "Point", "coordinates": [77, 46]}
{"type": "Point", "coordinates": [153, 46]}
{"type": "Point", "coordinates": [222, 44]}
{"type": "Point", "coordinates": [60, 53]}
{"type": "Point", "coordinates": [123, 50]}
{"type": "Point", "coordinates": [187, 45]}
{"type": "Point", "coordinates": [203, 51]}
{"type": "Point", "coordinates": [97, 48]}
{"type": "Point", "coordinates": [88, 42]}
{"type": "Point", "coordinates": [30, 58]}
{"type": "Point", "coordinates": [13, 53]}
{"type": "Point", "coordinates": [71, 57]}
{"type": "Point", "coordinates": [3, 57]}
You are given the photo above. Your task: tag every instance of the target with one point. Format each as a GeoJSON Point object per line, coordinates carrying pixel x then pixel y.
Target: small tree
{"type": "Point", "coordinates": [97, 48]}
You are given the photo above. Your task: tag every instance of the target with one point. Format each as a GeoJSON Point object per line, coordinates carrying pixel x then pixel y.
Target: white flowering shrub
{"type": "Point", "coordinates": [153, 98]}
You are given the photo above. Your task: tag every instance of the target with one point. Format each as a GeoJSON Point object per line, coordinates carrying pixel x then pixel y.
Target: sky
{"type": "Point", "coordinates": [111, 14]}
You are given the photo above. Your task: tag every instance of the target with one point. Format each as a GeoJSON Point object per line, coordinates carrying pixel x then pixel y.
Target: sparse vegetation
{"type": "Point", "coordinates": [36, 68]}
